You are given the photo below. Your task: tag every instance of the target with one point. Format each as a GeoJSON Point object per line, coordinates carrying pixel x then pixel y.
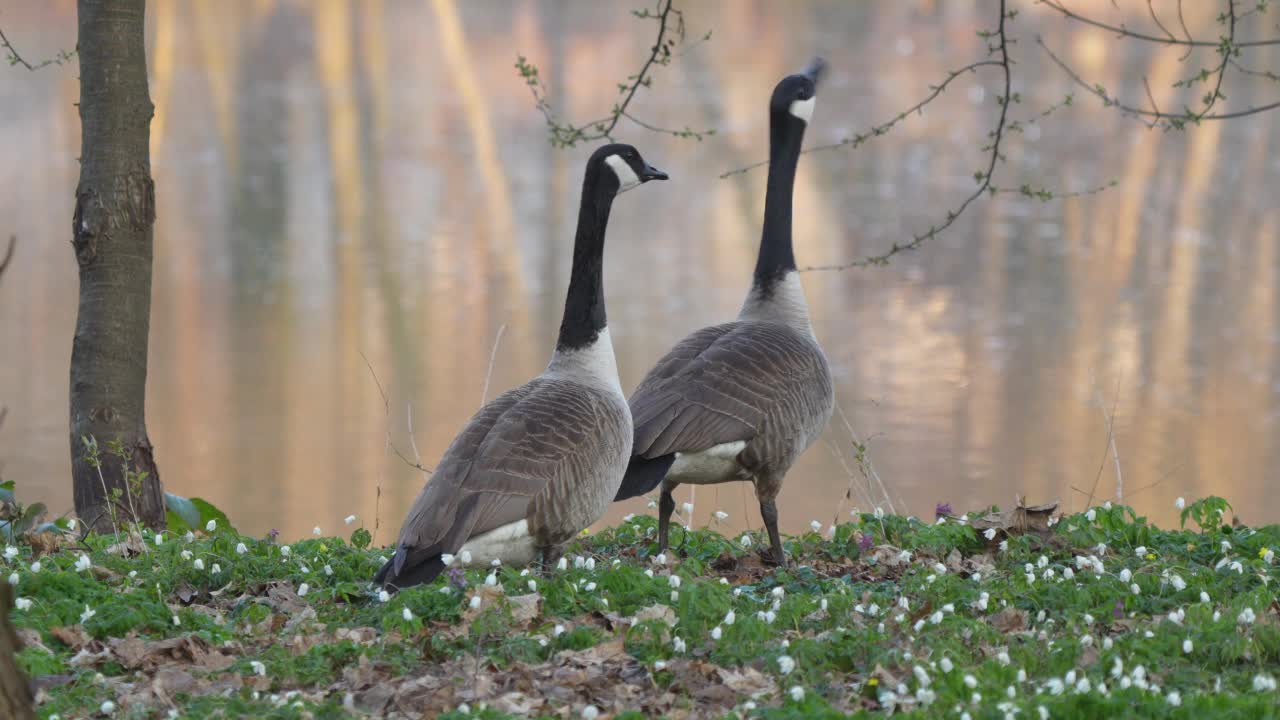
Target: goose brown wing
{"type": "Point", "coordinates": [544, 432]}
{"type": "Point", "coordinates": [721, 384]}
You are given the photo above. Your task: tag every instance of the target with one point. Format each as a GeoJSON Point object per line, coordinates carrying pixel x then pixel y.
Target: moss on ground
{"type": "Point", "coordinates": [1097, 615]}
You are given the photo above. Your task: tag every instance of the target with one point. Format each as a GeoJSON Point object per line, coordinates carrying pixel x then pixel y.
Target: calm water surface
{"type": "Point", "coordinates": [342, 181]}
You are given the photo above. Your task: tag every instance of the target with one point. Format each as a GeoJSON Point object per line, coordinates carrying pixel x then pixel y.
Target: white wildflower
{"type": "Point", "coordinates": [241, 549]}
{"type": "Point", "coordinates": [475, 603]}
{"type": "Point", "coordinates": [88, 613]}
{"type": "Point", "coordinates": [407, 614]}
{"type": "Point", "coordinates": [590, 564]}
{"type": "Point", "coordinates": [107, 707]}
{"type": "Point", "coordinates": [729, 617]}
{"type": "Point", "coordinates": [904, 556]}
{"type": "Point", "coordinates": [1139, 551]}
{"type": "Point", "coordinates": [922, 676]}
{"type": "Point", "coordinates": [989, 533]}
{"type": "Point", "coordinates": [83, 563]}
{"type": "Point", "coordinates": [1187, 647]}
{"type": "Point", "coordinates": [678, 644]}
{"type": "Point", "coordinates": [1004, 546]}
{"type": "Point", "coordinates": [349, 519]}
{"type": "Point", "coordinates": [796, 692]}
{"type": "Point", "coordinates": [1042, 562]}
{"type": "Point", "coordinates": [1083, 686]}
{"type": "Point", "coordinates": [1204, 597]}
{"type": "Point", "coordinates": [686, 508]}
{"type": "Point", "coordinates": [590, 712]}
{"type": "Point", "coordinates": [1003, 657]}
{"type": "Point", "coordinates": [1246, 616]}
{"type": "Point", "coordinates": [13, 578]}
{"type": "Point", "coordinates": [1068, 574]}
{"type": "Point", "coordinates": [1055, 686]}
{"type": "Point", "coordinates": [1125, 575]}
{"type": "Point", "coordinates": [946, 664]}
{"type": "Point", "coordinates": [22, 603]}
{"type": "Point", "coordinates": [940, 569]}
{"type": "Point", "coordinates": [1237, 566]}
{"type": "Point", "coordinates": [716, 632]}
{"type": "Point", "coordinates": [1135, 589]}
{"type": "Point", "coordinates": [1174, 698]}
{"type": "Point", "coordinates": [1264, 683]}
{"type": "Point", "coordinates": [303, 589]}
{"type": "Point", "coordinates": [1178, 583]}
{"type": "Point", "coordinates": [817, 526]}
{"type": "Point", "coordinates": [786, 664]}
{"type": "Point", "coordinates": [259, 668]}
{"type": "Point", "coordinates": [11, 552]}
{"type": "Point", "coordinates": [562, 564]}
{"type": "Point", "coordinates": [465, 557]}
{"type": "Point", "coordinates": [198, 564]}
{"type": "Point", "coordinates": [211, 526]}
{"type": "Point", "coordinates": [721, 515]}
{"type": "Point", "coordinates": [970, 681]}
{"type": "Point", "coordinates": [879, 513]}
{"type": "Point", "coordinates": [1180, 503]}
{"type": "Point", "coordinates": [285, 550]}
{"type": "Point", "coordinates": [1091, 515]}
{"type": "Point", "coordinates": [35, 566]}
{"type": "Point", "coordinates": [935, 618]}
{"type": "Point", "coordinates": [673, 581]}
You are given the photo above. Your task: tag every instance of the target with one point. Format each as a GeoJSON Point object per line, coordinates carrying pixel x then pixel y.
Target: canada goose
{"type": "Point", "coordinates": [742, 400]}
{"type": "Point", "coordinates": [541, 462]}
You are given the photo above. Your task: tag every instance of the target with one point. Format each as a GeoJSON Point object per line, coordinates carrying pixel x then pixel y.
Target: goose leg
{"type": "Point", "coordinates": [769, 512]}
{"type": "Point", "coordinates": [551, 555]}
{"type": "Point", "coordinates": [666, 504]}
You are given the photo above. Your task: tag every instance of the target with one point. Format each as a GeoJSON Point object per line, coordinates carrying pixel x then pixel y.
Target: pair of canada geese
{"type": "Point", "coordinates": [737, 401]}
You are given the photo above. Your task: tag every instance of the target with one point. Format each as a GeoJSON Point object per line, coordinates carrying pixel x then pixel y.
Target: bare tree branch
{"type": "Point", "coordinates": [1151, 118]}
{"type": "Point", "coordinates": [15, 58]}
{"type": "Point", "coordinates": [563, 134]}
{"type": "Point", "coordinates": [883, 128]}
{"type": "Point", "coordinates": [1123, 31]}
{"type": "Point", "coordinates": [8, 254]}
{"type": "Point", "coordinates": [1001, 49]}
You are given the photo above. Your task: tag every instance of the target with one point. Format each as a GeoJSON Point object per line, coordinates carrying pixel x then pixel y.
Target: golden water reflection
{"type": "Point", "coordinates": [351, 185]}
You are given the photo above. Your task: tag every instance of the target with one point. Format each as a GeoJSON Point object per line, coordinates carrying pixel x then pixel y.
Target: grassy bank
{"type": "Point", "coordinates": [1095, 615]}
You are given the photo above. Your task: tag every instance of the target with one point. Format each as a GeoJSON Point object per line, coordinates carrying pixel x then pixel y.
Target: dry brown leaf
{"type": "Point", "coordinates": [518, 704]}
{"type": "Point", "coordinates": [747, 681]}
{"type": "Point", "coordinates": [886, 555]}
{"type": "Point", "coordinates": [1009, 619]}
{"type": "Point", "coordinates": [1021, 518]}
{"type": "Point", "coordinates": [488, 594]}
{"type": "Point", "coordinates": [525, 608]}
{"type": "Point", "coordinates": [47, 543]}
{"type": "Point", "coordinates": [73, 636]}
{"type": "Point", "coordinates": [134, 653]}
{"type": "Point", "coordinates": [283, 598]}
{"type": "Point", "coordinates": [131, 546]}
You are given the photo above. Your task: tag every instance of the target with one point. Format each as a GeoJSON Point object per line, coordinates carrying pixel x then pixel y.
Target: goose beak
{"type": "Point", "coordinates": [814, 69]}
{"type": "Point", "coordinates": [652, 173]}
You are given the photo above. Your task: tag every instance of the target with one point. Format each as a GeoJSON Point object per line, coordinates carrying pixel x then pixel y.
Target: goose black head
{"type": "Point", "coordinates": [618, 168]}
{"type": "Point", "coordinates": [794, 95]}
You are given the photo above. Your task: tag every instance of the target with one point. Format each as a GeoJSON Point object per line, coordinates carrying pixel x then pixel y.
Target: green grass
{"type": "Point", "coordinates": [1022, 623]}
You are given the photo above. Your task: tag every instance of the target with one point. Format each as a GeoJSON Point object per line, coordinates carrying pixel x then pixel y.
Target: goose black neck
{"type": "Point", "coordinates": [584, 316]}
{"type": "Point", "coordinates": [776, 258]}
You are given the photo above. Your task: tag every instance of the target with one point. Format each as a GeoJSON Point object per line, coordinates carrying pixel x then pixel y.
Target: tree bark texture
{"type": "Point", "coordinates": [15, 692]}
{"type": "Point", "coordinates": [112, 232]}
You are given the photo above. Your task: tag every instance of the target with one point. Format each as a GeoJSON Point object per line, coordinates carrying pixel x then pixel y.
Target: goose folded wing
{"type": "Point", "coordinates": [511, 450]}
{"type": "Point", "coordinates": [718, 385]}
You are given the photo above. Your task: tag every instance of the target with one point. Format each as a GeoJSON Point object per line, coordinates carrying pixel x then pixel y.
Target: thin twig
{"type": "Point", "coordinates": [1156, 19]}
{"type": "Point", "coordinates": [983, 178]}
{"type": "Point", "coordinates": [670, 23]}
{"type": "Point", "coordinates": [867, 469]}
{"type": "Point", "coordinates": [884, 127]}
{"type": "Point", "coordinates": [386, 404]}
{"type": "Point", "coordinates": [1126, 32]}
{"type": "Point", "coordinates": [493, 356]}
{"type": "Point", "coordinates": [1169, 120]}
{"type": "Point", "coordinates": [16, 59]}
{"type": "Point", "coordinates": [8, 255]}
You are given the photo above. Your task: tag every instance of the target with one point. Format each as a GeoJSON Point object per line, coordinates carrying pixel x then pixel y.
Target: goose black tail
{"type": "Point", "coordinates": [402, 571]}
{"type": "Point", "coordinates": [643, 475]}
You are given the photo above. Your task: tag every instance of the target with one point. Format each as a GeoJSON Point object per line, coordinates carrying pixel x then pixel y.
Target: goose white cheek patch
{"type": "Point", "coordinates": [803, 109]}
{"type": "Point", "coordinates": [627, 177]}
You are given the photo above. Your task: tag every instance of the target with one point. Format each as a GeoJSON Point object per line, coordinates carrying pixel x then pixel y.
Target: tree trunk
{"type": "Point", "coordinates": [15, 693]}
{"type": "Point", "coordinates": [114, 216]}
